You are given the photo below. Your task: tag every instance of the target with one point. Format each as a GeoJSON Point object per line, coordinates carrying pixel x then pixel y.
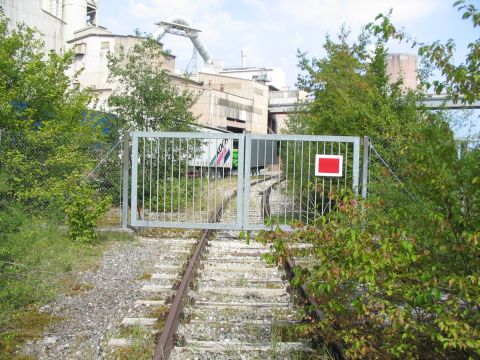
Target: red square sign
{"type": "Point", "coordinates": [328, 165]}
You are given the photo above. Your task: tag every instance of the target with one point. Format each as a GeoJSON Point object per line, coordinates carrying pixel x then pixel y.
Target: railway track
{"type": "Point", "coordinates": [239, 305]}
{"type": "Point", "coordinates": [217, 298]}
{"type": "Point", "coordinates": [228, 303]}
{"type": "Point", "coordinates": [335, 349]}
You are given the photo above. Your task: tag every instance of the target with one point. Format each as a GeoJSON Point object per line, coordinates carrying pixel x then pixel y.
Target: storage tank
{"type": "Point", "coordinates": [405, 66]}
{"type": "Point", "coordinates": [75, 17]}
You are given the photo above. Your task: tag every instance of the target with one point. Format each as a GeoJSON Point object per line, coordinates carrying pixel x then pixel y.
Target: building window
{"type": "Point", "coordinates": [105, 45]}
{"type": "Point", "coordinates": [80, 49]}
{"type": "Point", "coordinates": [236, 120]}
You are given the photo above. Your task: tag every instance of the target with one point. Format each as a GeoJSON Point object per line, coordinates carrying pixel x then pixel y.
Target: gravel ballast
{"type": "Point", "coordinates": [89, 318]}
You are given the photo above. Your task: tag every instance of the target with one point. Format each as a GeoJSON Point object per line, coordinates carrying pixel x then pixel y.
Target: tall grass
{"type": "Point", "coordinates": [37, 262]}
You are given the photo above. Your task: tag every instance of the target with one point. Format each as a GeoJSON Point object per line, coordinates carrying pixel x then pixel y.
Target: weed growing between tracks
{"type": "Point", "coordinates": [143, 344]}
{"type": "Point", "coordinates": [143, 339]}
{"type": "Point", "coordinates": [160, 313]}
{"type": "Point", "coordinates": [296, 332]}
{"type": "Point", "coordinates": [38, 262]}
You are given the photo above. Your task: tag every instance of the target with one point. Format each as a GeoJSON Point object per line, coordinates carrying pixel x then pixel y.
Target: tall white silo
{"type": "Point", "coordinates": [75, 17]}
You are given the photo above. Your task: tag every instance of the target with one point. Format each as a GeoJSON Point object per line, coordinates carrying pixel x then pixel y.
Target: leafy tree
{"type": "Point", "coordinates": [398, 277]}
{"type": "Point", "coordinates": [49, 139]}
{"type": "Point", "coordinates": [145, 96]}
{"type": "Point", "coordinates": [432, 163]}
{"type": "Point", "coordinates": [351, 96]}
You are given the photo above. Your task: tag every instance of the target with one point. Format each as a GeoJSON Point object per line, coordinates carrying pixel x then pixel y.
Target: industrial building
{"type": "Point", "coordinates": [235, 99]}
{"type": "Point", "coordinates": [231, 99]}
{"type": "Point", "coordinates": [225, 102]}
{"type": "Point", "coordinates": [91, 47]}
{"type": "Point", "coordinates": [57, 20]}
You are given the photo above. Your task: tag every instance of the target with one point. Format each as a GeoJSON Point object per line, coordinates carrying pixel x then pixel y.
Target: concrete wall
{"type": "Point", "coordinates": [275, 76]}
{"type": "Point", "coordinates": [281, 103]}
{"type": "Point", "coordinates": [31, 12]}
{"type": "Point", "coordinates": [213, 107]}
{"type": "Point", "coordinates": [403, 66]}
{"type": "Point", "coordinates": [98, 43]}
{"type": "Point", "coordinates": [228, 101]}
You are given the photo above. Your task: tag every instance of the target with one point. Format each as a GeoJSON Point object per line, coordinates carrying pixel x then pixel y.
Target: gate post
{"type": "Point", "coordinates": [246, 180]}
{"type": "Point", "coordinates": [365, 161]}
{"type": "Point", "coordinates": [241, 180]}
{"type": "Point", "coordinates": [125, 178]}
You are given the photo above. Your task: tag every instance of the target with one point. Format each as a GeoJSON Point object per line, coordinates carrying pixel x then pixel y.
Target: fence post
{"type": "Point", "coordinates": [365, 160]}
{"type": "Point", "coordinates": [125, 178]}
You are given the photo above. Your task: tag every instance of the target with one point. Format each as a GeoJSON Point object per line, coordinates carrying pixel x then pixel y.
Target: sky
{"type": "Point", "coordinates": [273, 30]}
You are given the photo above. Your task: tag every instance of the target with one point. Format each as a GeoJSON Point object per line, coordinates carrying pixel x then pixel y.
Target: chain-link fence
{"type": "Point", "coordinates": [385, 178]}
{"type": "Point", "coordinates": [41, 173]}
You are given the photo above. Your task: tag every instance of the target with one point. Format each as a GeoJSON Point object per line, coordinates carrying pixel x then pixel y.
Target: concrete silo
{"type": "Point", "coordinates": [77, 15]}
{"type": "Point", "coordinates": [403, 66]}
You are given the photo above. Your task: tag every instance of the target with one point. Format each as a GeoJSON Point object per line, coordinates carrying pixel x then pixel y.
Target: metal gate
{"type": "Point", "coordinates": [220, 180]}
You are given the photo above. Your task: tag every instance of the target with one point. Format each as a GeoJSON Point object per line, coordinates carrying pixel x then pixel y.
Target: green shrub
{"type": "Point", "coordinates": [11, 215]}
{"type": "Point", "coordinates": [83, 210]}
{"type": "Point", "coordinates": [388, 291]}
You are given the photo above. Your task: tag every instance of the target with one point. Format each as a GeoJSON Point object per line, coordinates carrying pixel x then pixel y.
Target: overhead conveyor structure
{"type": "Point", "coordinates": [180, 26]}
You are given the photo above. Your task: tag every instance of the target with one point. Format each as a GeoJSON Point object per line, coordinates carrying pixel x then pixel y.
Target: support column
{"type": "Point", "coordinates": [125, 178]}
{"type": "Point", "coordinates": [365, 160]}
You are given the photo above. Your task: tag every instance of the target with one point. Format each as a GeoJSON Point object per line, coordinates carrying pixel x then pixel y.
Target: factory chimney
{"type": "Point", "coordinates": [244, 53]}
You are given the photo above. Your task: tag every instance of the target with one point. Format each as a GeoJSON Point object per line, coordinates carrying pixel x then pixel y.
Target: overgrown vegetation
{"type": "Point", "coordinates": [142, 347]}
{"type": "Point", "coordinates": [37, 262]}
{"type": "Point", "coordinates": [49, 141]}
{"type": "Point", "coordinates": [397, 275]}
{"type": "Point", "coordinates": [49, 144]}
{"type": "Point", "coordinates": [84, 208]}
{"type": "Point", "coordinates": [59, 165]}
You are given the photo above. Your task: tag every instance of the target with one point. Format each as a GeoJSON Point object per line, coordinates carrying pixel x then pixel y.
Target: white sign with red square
{"type": "Point", "coordinates": [329, 165]}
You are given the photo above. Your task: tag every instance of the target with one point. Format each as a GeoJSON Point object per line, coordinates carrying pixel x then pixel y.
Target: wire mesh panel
{"type": "Point", "coordinates": [285, 166]}
{"type": "Point", "coordinates": [43, 174]}
{"type": "Point", "coordinates": [185, 180]}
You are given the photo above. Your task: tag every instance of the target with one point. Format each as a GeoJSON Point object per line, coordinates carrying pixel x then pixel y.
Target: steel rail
{"type": "Point", "coordinates": [166, 340]}
{"type": "Point", "coordinates": [335, 348]}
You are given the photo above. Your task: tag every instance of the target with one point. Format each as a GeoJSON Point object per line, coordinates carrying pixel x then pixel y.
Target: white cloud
{"type": "Point", "coordinates": [330, 14]}
{"type": "Point", "coordinates": [141, 10]}
{"type": "Point", "coordinates": [271, 29]}
{"type": "Point", "coordinates": [147, 9]}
